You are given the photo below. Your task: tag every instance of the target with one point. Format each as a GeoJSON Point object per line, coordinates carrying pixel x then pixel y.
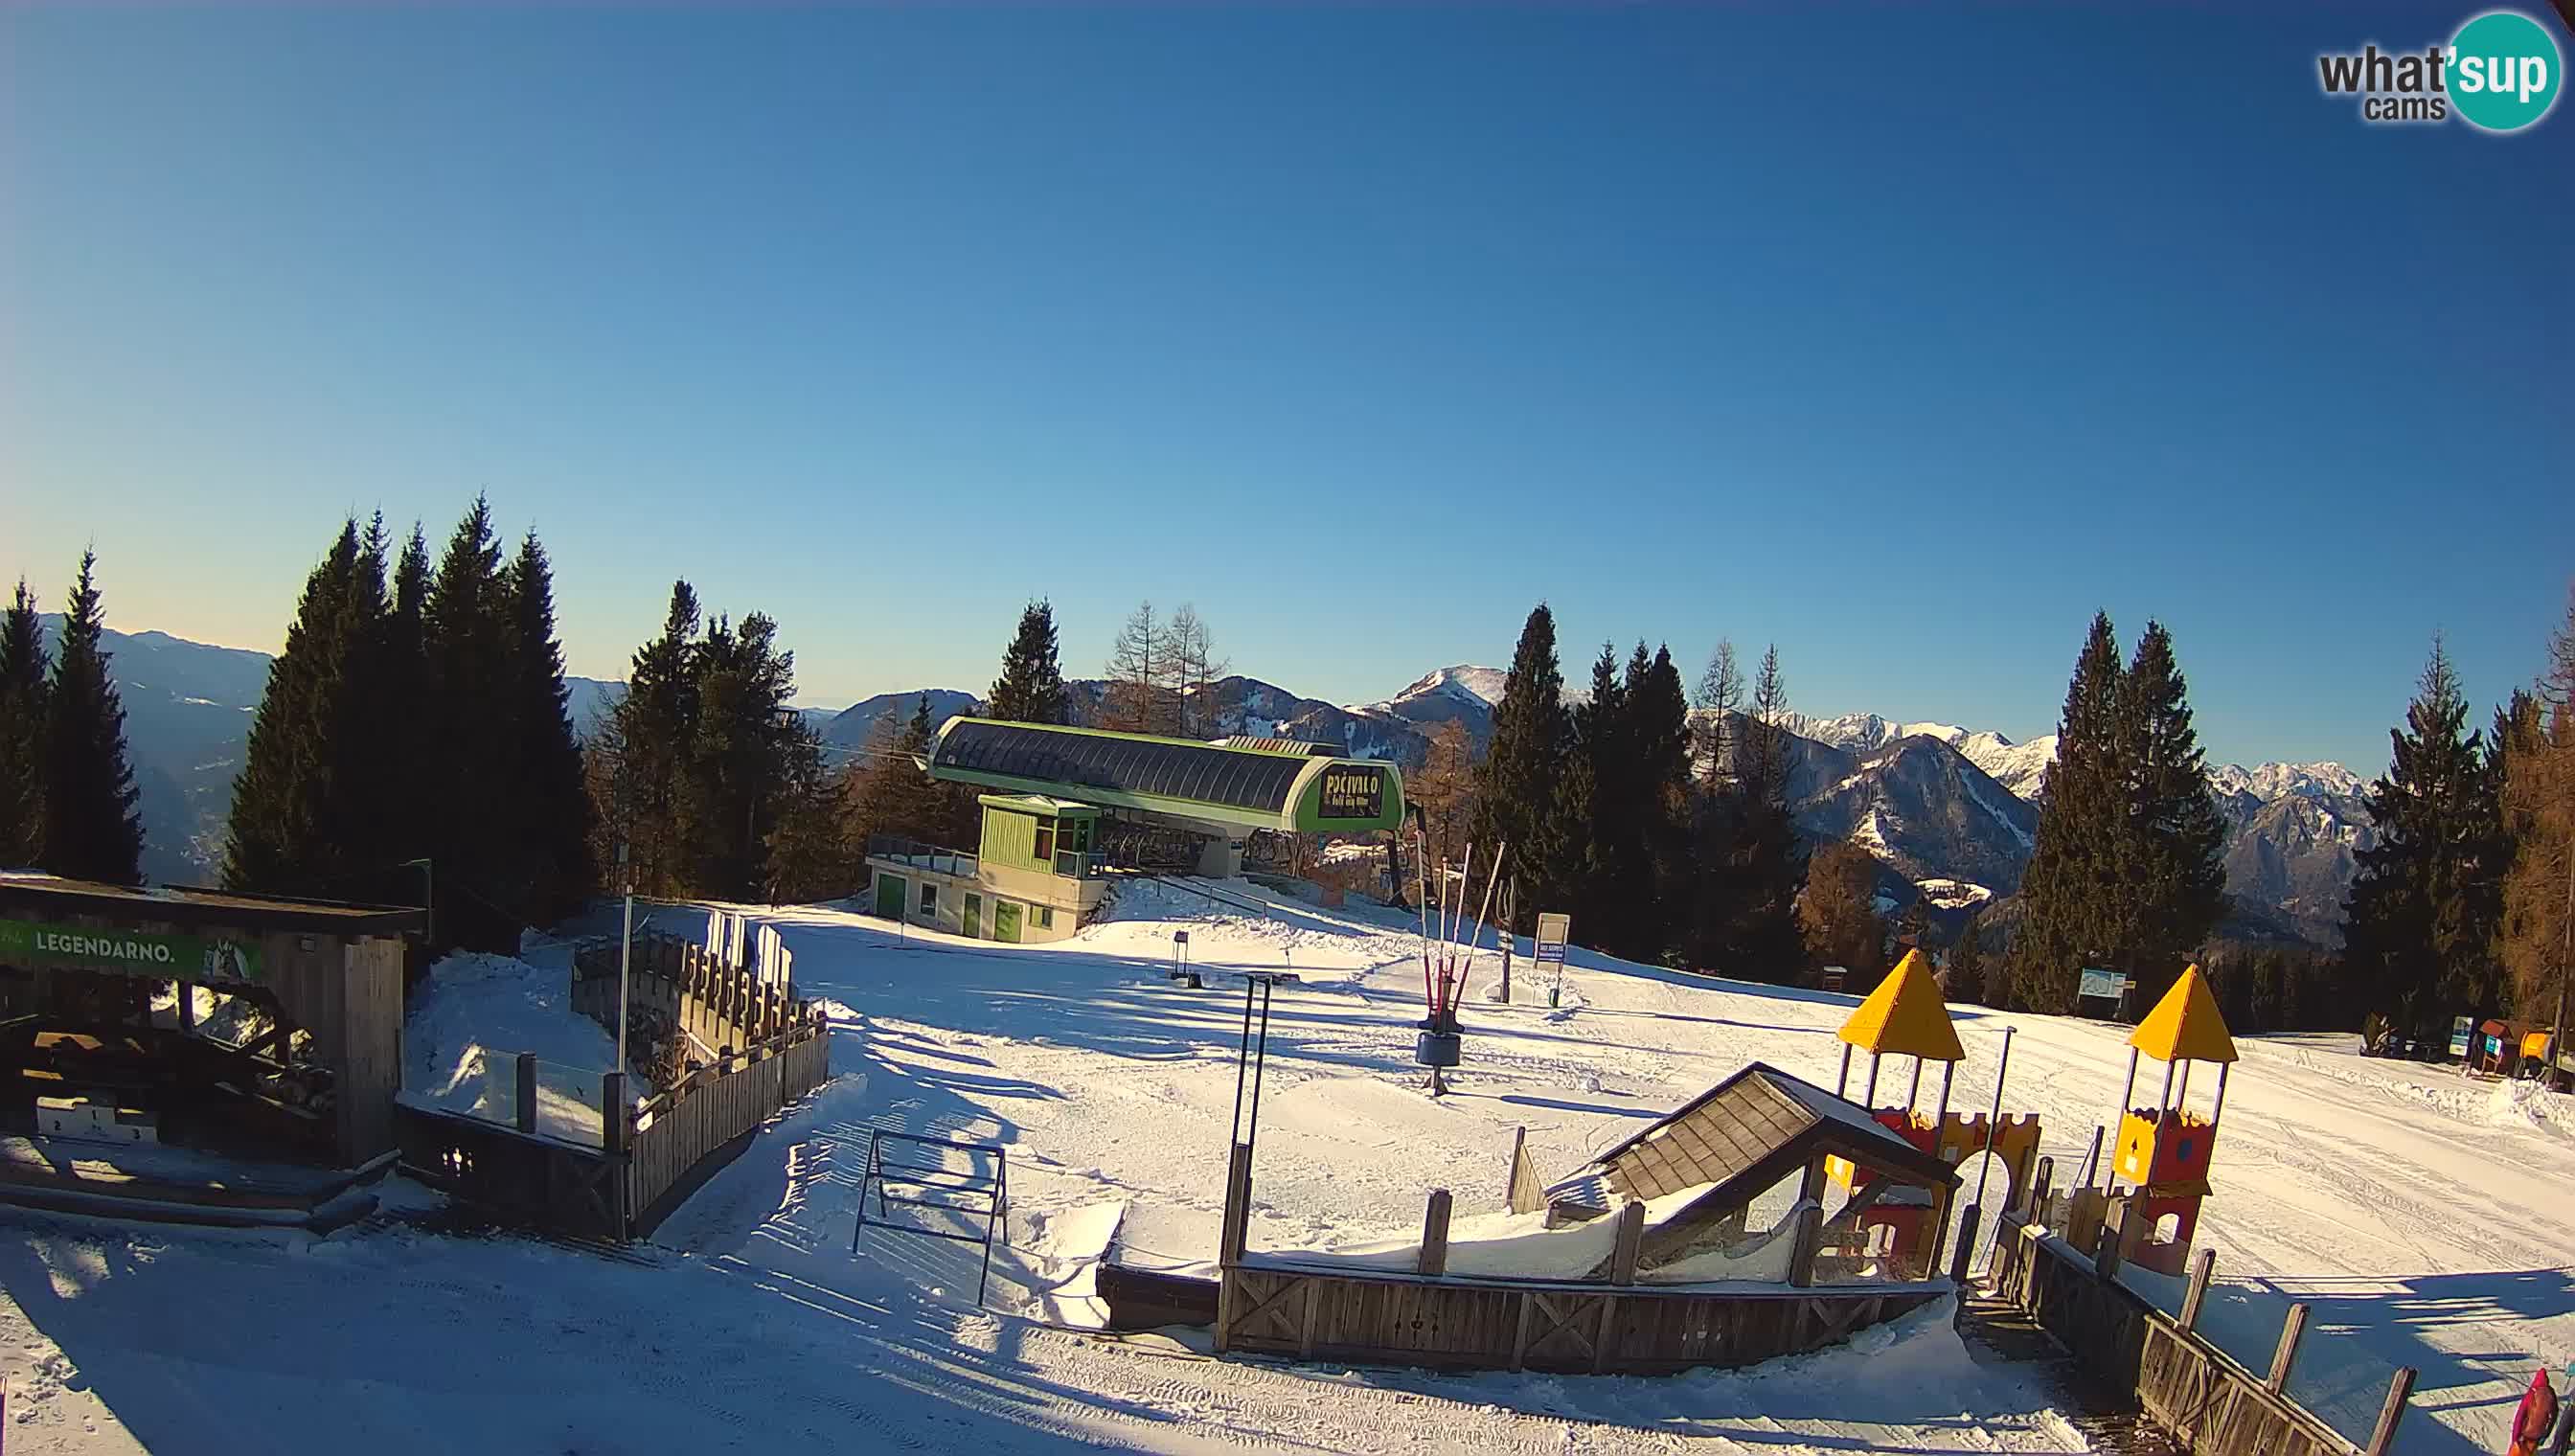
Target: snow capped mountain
{"type": "Point", "coordinates": [1462, 693]}
{"type": "Point", "coordinates": [1465, 685]}
{"type": "Point", "coordinates": [2278, 780]}
{"type": "Point", "coordinates": [1863, 732]}
{"type": "Point", "coordinates": [2016, 766]}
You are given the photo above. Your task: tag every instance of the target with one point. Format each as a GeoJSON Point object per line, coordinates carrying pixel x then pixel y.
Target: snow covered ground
{"type": "Point", "coordinates": [2427, 1222]}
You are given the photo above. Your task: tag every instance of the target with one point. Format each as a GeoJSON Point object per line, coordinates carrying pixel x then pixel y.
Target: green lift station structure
{"type": "Point", "coordinates": [1053, 792]}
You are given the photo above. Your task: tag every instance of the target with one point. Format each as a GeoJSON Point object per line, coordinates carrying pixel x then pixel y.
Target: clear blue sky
{"type": "Point", "coordinates": [1902, 340]}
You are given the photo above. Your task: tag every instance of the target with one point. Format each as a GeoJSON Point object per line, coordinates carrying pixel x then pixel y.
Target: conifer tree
{"type": "Point", "coordinates": [2537, 818]}
{"type": "Point", "coordinates": [1967, 982]}
{"type": "Point", "coordinates": [1720, 698]}
{"type": "Point", "coordinates": [402, 710]}
{"type": "Point", "coordinates": [643, 742]}
{"type": "Point", "coordinates": [1030, 687]}
{"type": "Point", "coordinates": [2174, 889]}
{"type": "Point", "coordinates": [2071, 890]}
{"type": "Point", "coordinates": [551, 801]}
{"type": "Point", "coordinates": [1515, 786]}
{"type": "Point", "coordinates": [1838, 911]}
{"type": "Point", "coordinates": [1659, 711]}
{"type": "Point", "coordinates": [22, 731]}
{"type": "Point", "coordinates": [91, 828]}
{"type": "Point", "coordinates": [1751, 868]}
{"type": "Point", "coordinates": [467, 637]}
{"type": "Point", "coordinates": [291, 812]}
{"type": "Point", "coordinates": [1585, 818]}
{"type": "Point", "coordinates": [2425, 899]}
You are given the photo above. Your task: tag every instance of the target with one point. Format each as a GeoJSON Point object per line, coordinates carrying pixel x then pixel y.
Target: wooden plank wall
{"type": "Point", "coordinates": [676, 1130]}
{"type": "Point", "coordinates": [369, 1070]}
{"type": "Point", "coordinates": [557, 1186]}
{"type": "Point", "coordinates": [1499, 1325]}
{"type": "Point", "coordinates": [2187, 1387]}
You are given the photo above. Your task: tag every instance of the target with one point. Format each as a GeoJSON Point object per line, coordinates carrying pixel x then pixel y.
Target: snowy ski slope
{"type": "Point", "coordinates": [2426, 1219]}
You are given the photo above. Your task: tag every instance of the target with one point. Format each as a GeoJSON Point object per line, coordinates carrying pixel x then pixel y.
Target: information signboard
{"type": "Point", "coordinates": [1551, 932]}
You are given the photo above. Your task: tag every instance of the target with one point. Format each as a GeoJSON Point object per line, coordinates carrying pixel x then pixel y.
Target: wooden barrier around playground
{"type": "Point", "coordinates": [1271, 1306]}
{"type": "Point", "coordinates": [2186, 1387]}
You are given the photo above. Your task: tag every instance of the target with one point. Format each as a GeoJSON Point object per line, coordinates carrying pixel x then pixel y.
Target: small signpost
{"type": "Point", "coordinates": [1180, 959]}
{"type": "Point", "coordinates": [2463, 1031]}
{"type": "Point", "coordinates": [1552, 930]}
{"type": "Point", "coordinates": [2105, 985]}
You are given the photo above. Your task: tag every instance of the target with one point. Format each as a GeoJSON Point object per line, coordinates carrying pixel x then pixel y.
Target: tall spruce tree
{"type": "Point", "coordinates": [1587, 812]}
{"type": "Point", "coordinates": [2424, 903]}
{"type": "Point", "coordinates": [467, 638]}
{"type": "Point", "coordinates": [2071, 888]}
{"type": "Point", "coordinates": [293, 817]}
{"type": "Point", "coordinates": [2174, 888]}
{"type": "Point", "coordinates": [551, 802]}
{"type": "Point", "coordinates": [402, 710]}
{"type": "Point", "coordinates": [1030, 687]}
{"type": "Point", "coordinates": [1966, 979]}
{"type": "Point", "coordinates": [1751, 865]}
{"type": "Point", "coordinates": [91, 828]}
{"type": "Point", "coordinates": [644, 743]}
{"type": "Point", "coordinates": [22, 731]}
{"type": "Point", "coordinates": [1664, 748]}
{"type": "Point", "coordinates": [1516, 785]}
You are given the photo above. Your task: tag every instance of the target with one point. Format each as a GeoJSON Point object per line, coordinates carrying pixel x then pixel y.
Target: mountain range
{"type": "Point", "coordinates": [1949, 810]}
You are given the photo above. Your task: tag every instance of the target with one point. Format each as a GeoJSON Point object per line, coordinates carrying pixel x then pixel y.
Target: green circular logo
{"type": "Point", "coordinates": [2505, 71]}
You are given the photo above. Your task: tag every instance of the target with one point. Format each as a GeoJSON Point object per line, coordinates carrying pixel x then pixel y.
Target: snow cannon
{"type": "Point", "coordinates": [2163, 1150]}
{"type": "Point", "coordinates": [1904, 1017]}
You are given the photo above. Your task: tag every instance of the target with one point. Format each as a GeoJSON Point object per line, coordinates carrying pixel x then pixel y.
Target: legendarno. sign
{"type": "Point", "coordinates": [132, 952]}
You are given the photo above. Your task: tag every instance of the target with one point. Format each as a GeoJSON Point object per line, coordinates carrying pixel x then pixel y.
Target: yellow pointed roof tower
{"type": "Point", "coordinates": [1905, 1017]}
{"type": "Point", "coordinates": [2187, 1024]}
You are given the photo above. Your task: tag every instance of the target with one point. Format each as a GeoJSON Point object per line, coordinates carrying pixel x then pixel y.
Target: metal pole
{"type": "Point", "coordinates": [1869, 1097]}
{"type": "Point", "coordinates": [1994, 1119]}
{"type": "Point", "coordinates": [625, 956]}
{"type": "Point", "coordinates": [1913, 1090]}
{"type": "Point", "coordinates": [1842, 1083]}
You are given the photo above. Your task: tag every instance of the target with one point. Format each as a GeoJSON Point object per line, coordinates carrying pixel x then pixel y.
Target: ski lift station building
{"type": "Point", "coordinates": [1054, 796]}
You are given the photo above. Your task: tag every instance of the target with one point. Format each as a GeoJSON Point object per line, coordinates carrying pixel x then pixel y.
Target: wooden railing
{"type": "Point", "coordinates": [762, 1049]}
{"type": "Point", "coordinates": [2186, 1386]}
{"type": "Point", "coordinates": [682, 1137]}
{"type": "Point", "coordinates": [722, 1007]}
{"type": "Point", "coordinates": [1446, 1322]}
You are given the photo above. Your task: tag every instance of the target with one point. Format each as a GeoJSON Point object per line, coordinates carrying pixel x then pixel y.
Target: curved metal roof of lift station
{"type": "Point", "coordinates": [1203, 785]}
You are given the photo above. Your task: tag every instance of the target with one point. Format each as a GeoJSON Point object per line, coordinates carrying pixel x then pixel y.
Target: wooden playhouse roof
{"type": "Point", "coordinates": [1905, 1017]}
{"type": "Point", "coordinates": [2185, 1025]}
{"type": "Point", "coordinates": [1742, 1136]}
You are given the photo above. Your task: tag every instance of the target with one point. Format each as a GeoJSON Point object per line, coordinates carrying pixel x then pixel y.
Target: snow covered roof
{"type": "Point", "coordinates": [1736, 1139]}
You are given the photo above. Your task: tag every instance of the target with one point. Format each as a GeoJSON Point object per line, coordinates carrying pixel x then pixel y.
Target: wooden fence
{"type": "Point", "coordinates": [1450, 1322]}
{"type": "Point", "coordinates": [2187, 1387]}
{"type": "Point", "coordinates": [684, 1135]}
{"type": "Point", "coordinates": [722, 1007]}
{"type": "Point", "coordinates": [768, 1051]}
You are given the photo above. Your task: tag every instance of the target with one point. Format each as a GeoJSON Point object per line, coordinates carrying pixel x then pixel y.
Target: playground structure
{"type": "Point", "coordinates": [1904, 1228]}
{"type": "Point", "coordinates": [2162, 1154]}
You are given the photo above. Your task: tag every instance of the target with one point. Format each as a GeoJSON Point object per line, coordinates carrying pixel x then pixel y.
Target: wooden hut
{"type": "Point", "coordinates": [104, 1066]}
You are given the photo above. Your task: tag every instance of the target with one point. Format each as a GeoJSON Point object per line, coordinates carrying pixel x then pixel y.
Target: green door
{"type": "Point", "coordinates": [889, 889]}
{"type": "Point", "coordinates": [1006, 921]}
{"type": "Point", "coordinates": [974, 918]}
